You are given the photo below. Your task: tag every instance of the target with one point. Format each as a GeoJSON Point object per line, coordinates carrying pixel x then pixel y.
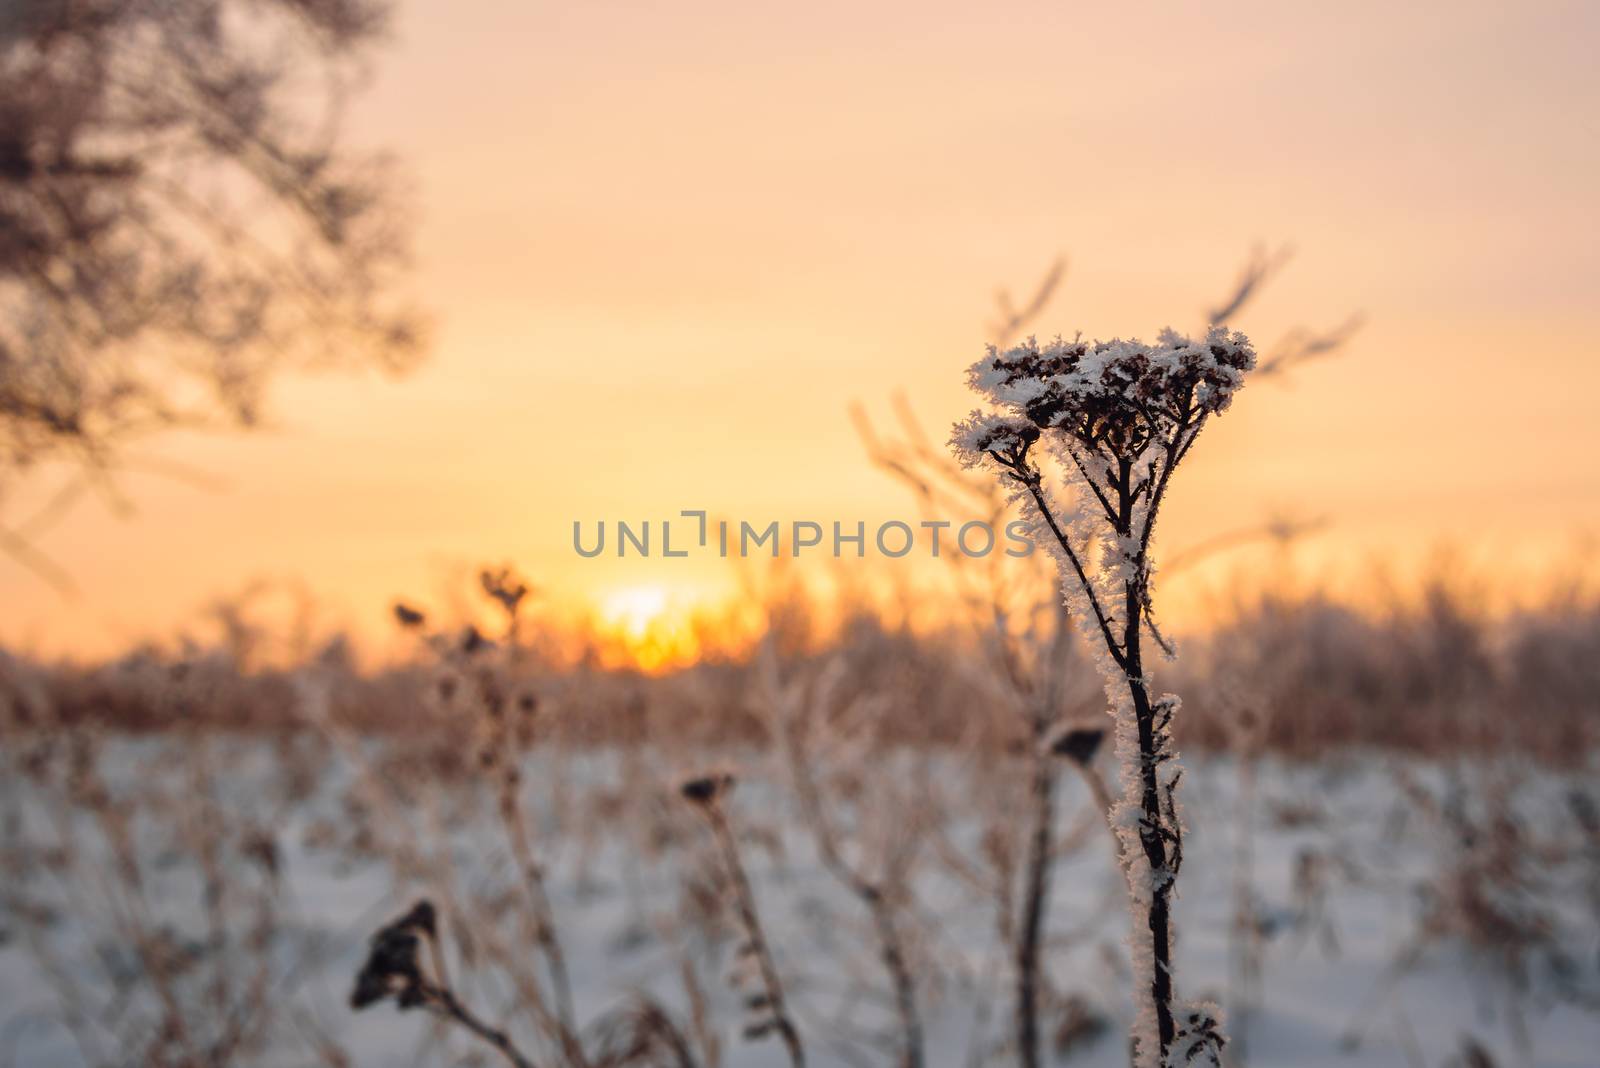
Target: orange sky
{"type": "Point", "coordinates": [667, 245]}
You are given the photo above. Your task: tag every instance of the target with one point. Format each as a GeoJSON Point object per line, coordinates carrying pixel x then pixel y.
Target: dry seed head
{"type": "Point", "coordinates": [708, 789]}
{"type": "Point", "coordinates": [1079, 744]}
{"type": "Point", "coordinates": [422, 917]}
{"type": "Point", "coordinates": [525, 718]}
{"type": "Point", "coordinates": [393, 965]}
{"type": "Point", "coordinates": [505, 587]}
{"type": "Point", "coordinates": [473, 642]}
{"type": "Point", "coordinates": [408, 617]}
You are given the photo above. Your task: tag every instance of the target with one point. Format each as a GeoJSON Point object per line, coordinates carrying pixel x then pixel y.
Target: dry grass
{"type": "Point", "coordinates": [904, 756]}
{"type": "Point", "coordinates": [1433, 672]}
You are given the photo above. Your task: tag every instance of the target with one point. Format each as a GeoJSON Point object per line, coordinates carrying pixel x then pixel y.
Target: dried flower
{"type": "Point", "coordinates": [1079, 744]}
{"type": "Point", "coordinates": [473, 642]}
{"type": "Point", "coordinates": [408, 617]}
{"type": "Point", "coordinates": [393, 966]}
{"type": "Point", "coordinates": [708, 789]}
{"type": "Point", "coordinates": [505, 587]}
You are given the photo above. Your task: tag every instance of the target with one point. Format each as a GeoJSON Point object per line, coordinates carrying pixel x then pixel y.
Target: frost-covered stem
{"type": "Point", "coordinates": [1154, 834]}
{"type": "Point", "coordinates": [1159, 831]}
{"type": "Point", "coordinates": [745, 902]}
{"type": "Point", "coordinates": [1036, 895]}
{"type": "Point", "coordinates": [1029, 476]}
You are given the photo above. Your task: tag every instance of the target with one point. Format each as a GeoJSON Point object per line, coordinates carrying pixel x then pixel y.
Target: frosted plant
{"type": "Point", "coordinates": [1118, 417]}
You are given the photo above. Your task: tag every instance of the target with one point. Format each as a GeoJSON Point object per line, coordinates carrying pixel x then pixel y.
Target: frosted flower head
{"type": "Point", "coordinates": [987, 434]}
{"type": "Point", "coordinates": [1115, 395]}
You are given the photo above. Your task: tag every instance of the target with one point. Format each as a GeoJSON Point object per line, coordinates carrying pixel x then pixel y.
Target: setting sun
{"type": "Point", "coordinates": [632, 611]}
{"type": "Point", "coordinates": [648, 628]}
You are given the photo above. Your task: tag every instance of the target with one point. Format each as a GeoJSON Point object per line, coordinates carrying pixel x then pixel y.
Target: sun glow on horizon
{"type": "Point", "coordinates": [632, 610]}
{"type": "Point", "coordinates": [649, 628]}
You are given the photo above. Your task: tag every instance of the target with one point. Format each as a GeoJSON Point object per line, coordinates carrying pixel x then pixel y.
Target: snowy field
{"type": "Point", "coordinates": [1397, 914]}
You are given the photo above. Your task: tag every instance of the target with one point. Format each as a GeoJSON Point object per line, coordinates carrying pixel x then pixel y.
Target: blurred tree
{"type": "Point", "coordinates": [180, 219]}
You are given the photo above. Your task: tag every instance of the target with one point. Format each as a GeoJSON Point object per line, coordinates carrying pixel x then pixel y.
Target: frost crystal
{"type": "Point", "coordinates": [1120, 395]}
{"type": "Point", "coordinates": [982, 434]}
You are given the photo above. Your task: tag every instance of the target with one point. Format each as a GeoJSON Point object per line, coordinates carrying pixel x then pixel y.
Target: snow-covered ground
{"type": "Point", "coordinates": [1343, 864]}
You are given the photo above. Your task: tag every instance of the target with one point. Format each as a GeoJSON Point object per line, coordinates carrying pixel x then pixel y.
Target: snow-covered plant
{"type": "Point", "coordinates": [1118, 417]}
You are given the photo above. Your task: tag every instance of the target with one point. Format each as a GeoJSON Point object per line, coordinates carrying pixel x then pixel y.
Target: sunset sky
{"type": "Point", "coordinates": [666, 246]}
